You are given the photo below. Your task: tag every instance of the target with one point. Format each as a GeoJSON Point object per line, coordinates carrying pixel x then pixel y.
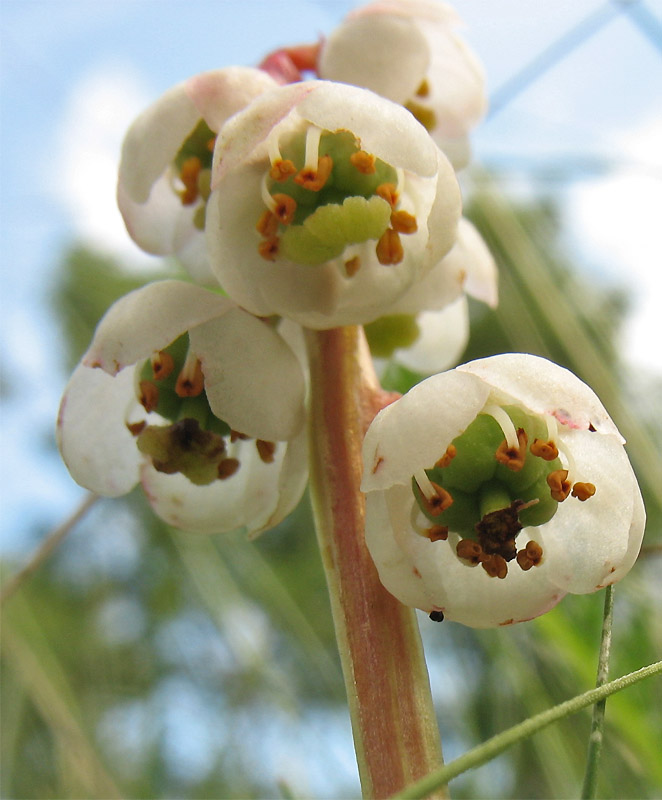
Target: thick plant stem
{"type": "Point", "coordinates": [395, 731]}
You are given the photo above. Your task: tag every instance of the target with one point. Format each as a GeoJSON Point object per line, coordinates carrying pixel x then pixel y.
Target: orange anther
{"type": "Point", "coordinates": [437, 533]}
{"type": "Point", "coordinates": [388, 192]}
{"type": "Point", "coordinates": [314, 179]}
{"type": "Point", "coordinates": [149, 396]}
{"type": "Point", "coordinates": [227, 467]}
{"type": "Point", "coordinates": [548, 451]}
{"type": "Point", "coordinates": [267, 225]}
{"type": "Point", "coordinates": [558, 483]}
{"type": "Point", "coordinates": [389, 248]}
{"type": "Point", "coordinates": [269, 249]}
{"type": "Point", "coordinates": [403, 222]}
{"type": "Point", "coordinates": [352, 266]}
{"type": "Point", "coordinates": [162, 365]}
{"type": "Point", "coordinates": [188, 174]}
{"type": "Point", "coordinates": [495, 566]}
{"type": "Point", "coordinates": [266, 450]}
{"type": "Point", "coordinates": [530, 556]}
{"type": "Point", "coordinates": [582, 491]}
{"type": "Point", "coordinates": [513, 457]}
{"type": "Point", "coordinates": [281, 170]}
{"type": "Point", "coordinates": [439, 502]}
{"type": "Point", "coordinates": [448, 456]}
{"type": "Point", "coordinates": [424, 89]}
{"type": "Point", "coordinates": [470, 551]}
{"type": "Point", "coordinates": [190, 381]}
{"type": "Point", "coordinates": [286, 207]}
{"type": "Point", "coordinates": [363, 162]}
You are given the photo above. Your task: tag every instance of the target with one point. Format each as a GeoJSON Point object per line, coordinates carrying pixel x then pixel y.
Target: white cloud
{"type": "Point", "coordinates": [100, 108]}
{"type": "Point", "coordinates": [616, 222]}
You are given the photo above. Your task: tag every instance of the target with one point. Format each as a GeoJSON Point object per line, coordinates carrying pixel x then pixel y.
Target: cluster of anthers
{"type": "Point", "coordinates": [196, 444]}
{"type": "Point", "coordinates": [491, 483]}
{"type": "Point", "coordinates": [192, 171]}
{"type": "Point", "coordinates": [339, 196]}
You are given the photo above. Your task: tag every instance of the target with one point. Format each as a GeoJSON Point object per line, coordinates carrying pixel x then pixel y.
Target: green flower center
{"type": "Point", "coordinates": [192, 168]}
{"type": "Point", "coordinates": [502, 474]}
{"type": "Point", "coordinates": [196, 443]}
{"type": "Point", "coordinates": [324, 193]}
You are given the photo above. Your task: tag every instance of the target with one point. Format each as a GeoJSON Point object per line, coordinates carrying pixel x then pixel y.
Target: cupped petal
{"type": "Point", "coordinates": [635, 538]}
{"type": "Point", "coordinates": [545, 388]}
{"type": "Point", "coordinates": [385, 129]}
{"type": "Point", "coordinates": [414, 432]}
{"type": "Point", "coordinates": [253, 380]}
{"type": "Point", "coordinates": [248, 499]}
{"type": "Point", "coordinates": [471, 254]}
{"type": "Point", "coordinates": [95, 443]}
{"type": "Point", "coordinates": [443, 336]}
{"type": "Point", "coordinates": [149, 319]}
{"type": "Point", "coordinates": [429, 575]}
{"type": "Point", "coordinates": [385, 53]}
{"type": "Point", "coordinates": [586, 542]}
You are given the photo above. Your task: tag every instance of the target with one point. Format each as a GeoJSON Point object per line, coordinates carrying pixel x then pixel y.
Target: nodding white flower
{"type": "Point", "coordinates": [195, 398]}
{"type": "Point", "coordinates": [428, 328]}
{"type": "Point", "coordinates": [165, 167]}
{"type": "Point", "coordinates": [327, 203]}
{"type": "Point", "coordinates": [496, 488]}
{"type": "Point", "coordinates": [408, 51]}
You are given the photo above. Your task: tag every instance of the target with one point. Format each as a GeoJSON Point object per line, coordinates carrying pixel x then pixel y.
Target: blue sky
{"type": "Point", "coordinates": [75, 72]}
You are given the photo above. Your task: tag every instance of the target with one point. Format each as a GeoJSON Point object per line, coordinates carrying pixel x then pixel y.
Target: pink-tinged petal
{"type": "Point", "coordinates": [95, 443]}
{"type": "Point", "coordinates": [442, 339]}
{"type": "Point", "coordinates": [220, 93]}
{"type": "Point", "coordinates": [586, 542]}
{"type": "Point", "coordinates": [248, 499]}
{"type": "Point", "coordinates": [394, 56]}
{"type": "Point", "coordinates": [413, 433]}
{"type": "Point", "coordinates": [253, 380]}
{"type": "Point", "coordinates": [545, 388]}
{"type": "Point", "coordinates": [413, 568]}
{"type": "Point", "coordinates": [243, 138]}
{"type": "Point", "coordinates": [154, 139]}
{"type": "Point", "coordinates": [385, 129]}
{"type": "Point", "coordinates": [149, 319]}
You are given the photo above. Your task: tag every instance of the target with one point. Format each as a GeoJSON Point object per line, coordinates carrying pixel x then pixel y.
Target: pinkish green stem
{"type": "Point", "coordinates": [395, 730]}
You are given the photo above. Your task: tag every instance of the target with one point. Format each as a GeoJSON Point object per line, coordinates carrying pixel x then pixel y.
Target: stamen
{"type": "Point", "coordinates": [559, 484]}
{"type": "Point", "coordinates": [352, 266]}
{"type": "Point", "coordinates": [495, 566]}
{"type": "Point", "coordinates": [424, 89]}
{"type": "Point", "coordinates": [267, 197]}
{"type": "Point", "coordinates": [504, 422]}
{"type": "Point", "coordinates": [470, 552]}
{"type": "Point", "coordinates": [569, 461]}
{"type": "Point", "coordinates": [149, 395]}
{"type": "Point", "coordinates": [315, 179]}
{"type": "Point", "coordinates": [281, 170]}
{"type": "Point", "coordinates": [188, 174]}
{"type": "Point", "coordinates": [162, 365]}
{"type": "Point", "coordinates": [136, 428]}
{"type": "Point", "coordinates": [582, 491]}
{"type": "Point", "coordinates": [269, 250]}
{"type": "Point", "coordinates": [313, 137]}
{"type": "Point", "coordinates": [286, 207]}
{"type": "Point", "coordinates": [548, 451]}
{"type": "Point", "coordinates": [388, 192]}
{"type": "Point", "coordinates": [227, 467]}
{"type": "Point", "coordinates": [513, 457]}
{"type": "Point", "coordinates": [530, 556]}
{"type": "Point", "coordinates": [437, 533]}
{"type": "Point", "coordinates": [552, 428]}
{"type": "Point", "coordinates": [389, 248]}
{"type": "Point", "coordinates": [363, 162]}
{"type": "Point", "coordinates": [403, 222]}
{"type": "Point", "coordinates": [425, 484]}
{"type": "Point", "coordinates": [267, 225]}
{"type": "Point", "coordinates": [266, 450]}
{"type": "Point", "coordinates": [449, 455]}
{"type": "Point", "coordinates": [190, 381]}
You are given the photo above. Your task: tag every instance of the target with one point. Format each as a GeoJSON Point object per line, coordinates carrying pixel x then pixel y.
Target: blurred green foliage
{"type": "Point", "coordinates": [142, 662]}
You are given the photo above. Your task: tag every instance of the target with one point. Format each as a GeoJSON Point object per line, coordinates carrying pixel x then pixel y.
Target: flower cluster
{"type": "Point", "coordinates": [320, 190]}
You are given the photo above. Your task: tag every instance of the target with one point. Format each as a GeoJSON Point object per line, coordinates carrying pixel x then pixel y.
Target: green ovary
{"type": "Point", "coordinates": [479, 484]}
{"type": "Point", "coordinates": [329, 229]}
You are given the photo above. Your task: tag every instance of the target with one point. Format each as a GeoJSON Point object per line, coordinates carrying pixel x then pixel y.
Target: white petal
{"type": "Point", "coordinates": [386, 54]}
{"type": "Point", "coordinates": [446, 211]}
{"type": "Point", "coordinates": [386, 130]}
{"type": "Point", "coordinates": [471, 254]}
{"type": "Point", "coordinates": [248, 499]}
{"type": "Point", "coordinates": [414, 432]}
{"type": "Point", "coordinates": [636, 535]}
{"type": "Point", "coordinates": [586, 542]}
{"type": "Point", "coordinates": [544, 387]}
{"type": "Point", "coordinates": [97, 447]}
{"type": "Point", "coordinates": [253, 380]}
{"type": "Point", "coordinates": [154, 139]}
{"type": "Point", "coordinates": [429, 573]}
{"type": "Point", "coordinates": [149, 319]}
{"type": "Point", "coordinates": [443, 336]}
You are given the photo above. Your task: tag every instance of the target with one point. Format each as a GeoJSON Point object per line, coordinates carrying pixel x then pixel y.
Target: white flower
{"type": "Point", "coordinates": [166, 159]}
{"type": "Point", "coordinates": [327, 203]}
{"type": "Point", "coordinates": [175, 381]}
{"type": "Point", "coordinates": [510, 463]}
{"type": "Point", "coordinates": [408, 51]}
{"type": "Point", "coordinates": [434, 314]}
